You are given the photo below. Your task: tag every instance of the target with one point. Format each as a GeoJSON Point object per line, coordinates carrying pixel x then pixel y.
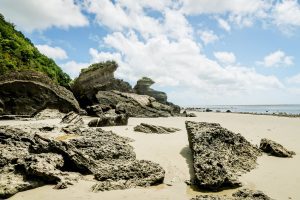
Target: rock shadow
{"type": "Point", "coordinates": [187, 154]}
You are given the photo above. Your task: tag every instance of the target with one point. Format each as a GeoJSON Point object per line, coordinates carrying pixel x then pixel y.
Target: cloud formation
{"type": "Point", "coordinates": [56, 53]}
{"type": "Point", "coordinates": [277, 59]}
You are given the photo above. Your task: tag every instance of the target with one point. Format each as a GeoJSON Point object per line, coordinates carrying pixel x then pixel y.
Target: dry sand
{"type": "Point", "coordinates": [277, 177]}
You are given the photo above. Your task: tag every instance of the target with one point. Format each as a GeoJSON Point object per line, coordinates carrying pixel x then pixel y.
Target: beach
{"type": "Point", "coordinates": [279, 178]}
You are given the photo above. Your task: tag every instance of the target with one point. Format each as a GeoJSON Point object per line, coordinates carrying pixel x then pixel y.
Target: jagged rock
{"type": "Point", "coordinates": [148, 128]}
{"type": "Point", "coordinates": [143, 87]}
{"type": "Point", "coordinates": [49, 114]}
{"type": "Point", "coordinates": [95, 110]}
{"type": "Point", "coordinates": [219, 155]}
{"type": "Point", "coordinates": [27, 93]}
{"type": "Point", "coordinates": [185, 114]}
{"type": "Point", "coordinates": [109, 120]}
{"type": "Point", "coordinates": [72, 129]}
{"type": "Point", "coordinates": [72, 118]}
{"type": "Point", "coordinates": [97, 77]}
{"type": "Point", "coordinates": [243, 194]}
{"type": "Point", "coordinates": [275, 149]}
{"type": "Point", "coordinates": [134, 105]}
{"type": "Point", "coordinates": [128, 174]}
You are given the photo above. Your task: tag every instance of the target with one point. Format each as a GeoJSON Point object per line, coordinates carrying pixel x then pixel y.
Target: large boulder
{"type": "Point", "coordinates": [27, 93]}
{"type": "Point", "coordinates": [219, 155]}
{"type": "Point", "coordinates": [134, 105]}
{"type": "Point", "coordinates": [143, 87]}
{"type": "Point", "coordinates": [275, 149]}
{"type": "Point", "coordinates": [97, 77]}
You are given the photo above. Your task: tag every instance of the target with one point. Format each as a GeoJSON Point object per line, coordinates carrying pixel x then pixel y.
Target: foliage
{"type": "Point", "coordinates": [17, 53]}
{"type": "Point", "coordinates": [110, 65]}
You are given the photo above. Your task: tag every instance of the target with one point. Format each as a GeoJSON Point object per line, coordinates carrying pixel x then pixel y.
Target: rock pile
{"type": "Point", "coordinates": [109, 120]}
{"type": "Point", "coordinates": [149, 128]}
{"type": "Point", "coordinates": [275, 149]}
{"type": "Point", "coordinates": [219, 155]}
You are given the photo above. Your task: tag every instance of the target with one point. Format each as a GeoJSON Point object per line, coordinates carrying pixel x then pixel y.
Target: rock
{"type": "Point", "coordinates": [109, 120]}
{"type": "Point", "coordinates": [72, 129]}
{"type": "Point", "coordinates": [208, 110]}
{"type": "Point", "coordinates": [134, 105]}
{"type": "Point", "coordinates": [143, 87]}
{"type": "Point", "coordinates": [148, 128]}
{"type": "Point", "coordinates": [185, 114]}
{"type": "Point", "coordinates": [27, 93]}
{"type": "Point", "coordinates": [275, 149]}
{"type": "Point", "coordinates": [128, 174]}
{"type": "Point", "coordinates": [228, 111]}
{"type": "Point", "coordinates": [243, 194]}
{"type": "Point", "coordinates": [97, 77]}
{"type": "Point", "coordinates": [49, 114]}
{"type": "Point", "coordinates": [72, 118]}
{"type": "Point", "coordinates": [219, 155]}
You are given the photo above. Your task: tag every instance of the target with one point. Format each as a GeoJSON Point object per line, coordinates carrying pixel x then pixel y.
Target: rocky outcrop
{"type": "Point", "coordinates": [148, 128]}
{"type": "Point", "coordinates": [72, 118]}
{"type": "Point", "coordinates": [97, 77]}
{"type": "Point", "coordinates": [275, 149]}
{"type": "Point", "coordinates": [186, 114]}
{"type": "Point", "coordinates": [109, 120]}
{"type": "Point", "coordinates": [135, 105]}
{"type": "Point", "coordinates": [143, 87]}
{"type": "Point", "coordinates": [49, 114]}
{"type": "Point", "coordinates": [243, 194]}
{"type": "Point", "coordinates": [29, 160]}
{"type": "Point", "coordinates": [219, 155]}
{"type": "Point", "coordinates": [27, 93]}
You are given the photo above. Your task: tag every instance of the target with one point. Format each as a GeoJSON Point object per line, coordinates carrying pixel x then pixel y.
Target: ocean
{"type": "Point", "coordinates": [263, 109]}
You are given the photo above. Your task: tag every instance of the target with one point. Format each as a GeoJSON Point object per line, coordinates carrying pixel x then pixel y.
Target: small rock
{"type": "Point", "coordinates": [109, 120]}
{"type": "Point", "coordinates": [148, 128]}
{"type": "Point", "coordinates": [275, 149]}
{"type": "Point", "coordinates": [72, 118]}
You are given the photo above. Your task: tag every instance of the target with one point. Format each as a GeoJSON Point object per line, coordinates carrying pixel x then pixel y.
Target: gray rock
{"type": "Point", "coordinates": [143, 87]}
{"type": "Point", "coordinates": [275, 149]}
{"type": "Point", "coordinates": [49, 114]}
{"type": "Point", "coordinates": [148, 128]}
{"type": "Point", "coordinates": [72, 118]}
{"type": "Point", "coordinates": [219, 155]}
{"type": "Point", "coordinates": [109, 120]}
{"type": "Point", "coordinates": [27, 93]}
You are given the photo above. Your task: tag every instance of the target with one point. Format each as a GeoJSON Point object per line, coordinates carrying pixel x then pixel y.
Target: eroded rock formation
{"type": "Point", "coordinates": [149, 128]}
{"type": "Point", "coordinates": [143, 87]}
{"type": "Point", "coordinates": [219, 155]}
{"type": "Point", "coordinates": [27, 93]}
{"type": "Point", "coordinates": [275, 149]}
{"type": "Point", "coordinates": [109, 120]}
{"type": "Point", "coordinates": [72, 118]}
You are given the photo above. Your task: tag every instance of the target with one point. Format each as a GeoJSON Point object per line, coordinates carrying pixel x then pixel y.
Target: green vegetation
{"type": "Point", "coordinates": [111, 65]}
{"type": "Point", "coordinates": [17, 53]}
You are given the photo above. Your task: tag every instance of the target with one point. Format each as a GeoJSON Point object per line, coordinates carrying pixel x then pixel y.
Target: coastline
{"type": "Point", "coordinates": [277, 177]}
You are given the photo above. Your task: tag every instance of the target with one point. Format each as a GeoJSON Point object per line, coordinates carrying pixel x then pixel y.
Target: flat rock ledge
{"type": "Point", "coordinates": [219, 155]}
{"type": "Point", "coordinates": [148, 128]}
{"type": "Point", "coordinates": [275, 149]}
{"type": "Point", "coordinates": [243, 194]}
{"type": "Point", "coordinates": [28, 160]}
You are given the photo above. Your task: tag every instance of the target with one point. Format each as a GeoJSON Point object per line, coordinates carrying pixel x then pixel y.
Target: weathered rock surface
{"type": "Point", "coordinates": [29, 160]}
{"type": "Point", "coordinates": [243, 194]}
{"type": "Point", "coordinates": [149, 128]}
{"type": "Point", "coordinates": [135, 105]}
{"type": "Point", "coordinates": [275, 149]}
{"type": "Point", "coordinates": [109, 120]}
{"type": "Point", "coordinates": [49, 114]}
{"type": "Point", "coordinates": [219, 155]}
{"type": "Point", "coordinates": [97, 77]}
{"type": "Point", "coordinates": [72, 118]}
{"type": "Point", "coordinates": [186, 114]}
{"type": "Point", "coordinates": [27, 93]}
{"type": "Point", "coordinates": [143, 87]}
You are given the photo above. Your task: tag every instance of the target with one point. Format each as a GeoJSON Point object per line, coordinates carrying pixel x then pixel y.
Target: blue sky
{"type": "Point", "coordinates": [198, 51]}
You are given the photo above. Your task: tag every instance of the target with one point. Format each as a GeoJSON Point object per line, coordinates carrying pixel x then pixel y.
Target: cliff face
{"type": "Point", "coordinates": [143, 87]}
{"type": "Point", "coordinates": [97, 77]}
{"type": "Point", "coordinates": [17, 53]}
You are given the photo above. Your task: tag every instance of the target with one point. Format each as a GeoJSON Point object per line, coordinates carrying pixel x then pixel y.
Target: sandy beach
{"type": "Point", "coordinates": [277, 177]}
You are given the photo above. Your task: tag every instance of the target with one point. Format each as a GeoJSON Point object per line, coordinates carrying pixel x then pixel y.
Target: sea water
{"type": "Point", "coordinates": [267, 109]}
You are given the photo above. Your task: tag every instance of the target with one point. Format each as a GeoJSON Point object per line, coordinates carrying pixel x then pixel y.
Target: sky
{"type": "Point", "coordinates": [200, 52]}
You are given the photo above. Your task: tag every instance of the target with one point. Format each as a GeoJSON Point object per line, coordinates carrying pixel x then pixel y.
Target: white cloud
{"type": "Point", "coordinates": [294, 79]}
{"type": "Point", "coordinates": [73, 68]}
{"type": "Point", "coordinates": [208, 36]}
{"type": "Point", "coordinates": [55, 53]}
{"type": "Point", "coordinates": [32, 15]}
{"type": "Point", "coordinates": [287, 13]}
{"type": "Point", "coordinates": [277, 59]}
{"type": "Point", "coordinates": [225, 57]}
{"type": "Point", "coordinates": [224, 24]}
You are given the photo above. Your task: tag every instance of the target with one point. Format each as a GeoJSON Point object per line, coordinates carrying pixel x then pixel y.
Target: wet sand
{"type": "Point", "coordinates": [277, 177]}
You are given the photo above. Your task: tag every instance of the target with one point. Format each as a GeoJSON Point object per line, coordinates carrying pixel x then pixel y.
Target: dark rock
{"type": "Point", "coordinates": [143, 87]}
{"type": "Point", "coordinates": [109, 120]}
{"type": "Point", "coordinates": [130, 174]}
{"type": "Point", "coordinates": [72, 129]}
{"type": "Point", "coordinates": [72, 118]}
{"type": "Point", "coordinates": [95, 110]}
{"type": "Point", "coordinates": [275, 149]}
{"type": "Point", "coordinates": [208, 110]}
{"type": "Point", "coordinates": [27, 93]}
{"type": "Point", "coordinates": [219, 155]}
{"type": "Point", "coordinates": [185, 114]}
{"type": "Point", "coordinates": [228, 111]}
{"type": "Point", "coordinates": [97, 77]}
{"type": "Point", "coordinates": [148, 128]}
